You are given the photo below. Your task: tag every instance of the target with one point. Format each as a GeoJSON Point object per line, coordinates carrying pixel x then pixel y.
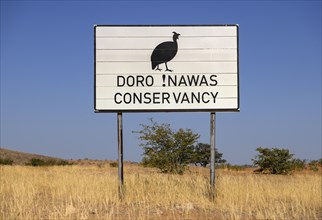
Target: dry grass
{"type": "Point", "coordinates": [91, 192]}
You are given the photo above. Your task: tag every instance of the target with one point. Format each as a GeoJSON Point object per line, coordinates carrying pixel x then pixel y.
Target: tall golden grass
{"type": "Point", "coordinates": [91, 192]}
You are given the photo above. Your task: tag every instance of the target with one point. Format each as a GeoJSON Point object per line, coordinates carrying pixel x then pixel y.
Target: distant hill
{"type": "Point", "coordinates": [21, 158]}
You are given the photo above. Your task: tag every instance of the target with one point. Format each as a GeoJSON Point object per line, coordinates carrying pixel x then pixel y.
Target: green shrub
{"type": "Point", "coordinates": [6, 161]}
{"type": "Point", "coordinates": [166, 149]}
{"type": "Point", "coordinates": [200, 155]}
{"type": "Point", "coordinates": [36, 162]}
{"type": "Point", "coordinates": [298, 164]}
{"type": "Point", "coordinates": [314, 165]}
{"type": "Point", "coordinates": [50, 162]}
{"type": "Point", "coordinates": [273, 161]}
{"type": "Point", "coordinates": [114, 164]}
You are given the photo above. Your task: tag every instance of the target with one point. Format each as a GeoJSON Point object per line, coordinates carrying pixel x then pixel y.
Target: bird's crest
{"type": "Point", "coordinates": [175, 35]}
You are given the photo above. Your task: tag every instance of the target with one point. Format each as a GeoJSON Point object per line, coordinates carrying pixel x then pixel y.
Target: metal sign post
{"type": "Point", "coordinates": [120, 153]}
{"type": "Point", "coordinates": [212, 152]}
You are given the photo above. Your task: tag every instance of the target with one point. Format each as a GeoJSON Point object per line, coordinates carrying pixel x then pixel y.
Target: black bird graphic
{"type": "Point", "coordinates": [165, 52]}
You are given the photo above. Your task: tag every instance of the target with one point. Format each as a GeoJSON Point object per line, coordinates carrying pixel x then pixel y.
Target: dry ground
{"type": "Point", "coordinates": [91, 192]}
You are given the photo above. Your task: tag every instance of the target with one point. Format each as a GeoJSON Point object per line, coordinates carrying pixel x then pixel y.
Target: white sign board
{"type": "Point", "coordinates": [166, 68]}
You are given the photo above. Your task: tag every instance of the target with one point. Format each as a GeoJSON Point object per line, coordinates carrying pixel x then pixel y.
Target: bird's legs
{"type": "Point", "coordinates": [167, 68]}
{"type": "Point", "coordinates": [158, 68]}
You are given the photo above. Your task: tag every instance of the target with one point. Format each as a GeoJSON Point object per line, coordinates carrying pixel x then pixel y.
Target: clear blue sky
{"type": "Point", "coordinates": [47, 77]}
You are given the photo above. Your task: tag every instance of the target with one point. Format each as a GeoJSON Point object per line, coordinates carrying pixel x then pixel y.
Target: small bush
{"type": "Point", "coordinates": [314, 165]}
{"type": "Point", "coordinates": [114, 164]}
{"type": "Point", "coordinates": [167, 149]}
{"type": "Point", "coordinates": [36, 162]}
{"type": "Point", "coordinates": [273, 161]}
{"type": "Point", "coordinates": [6, 161]}
{"type": "Point", "coordinates": [50, 162]}
{"type": "Point", "coordinates": [298, 164]}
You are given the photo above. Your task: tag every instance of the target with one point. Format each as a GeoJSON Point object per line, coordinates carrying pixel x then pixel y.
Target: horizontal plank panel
{"type": "Point", "coordinates": [220, 104]}
{"type": "Point", "coordinates": [157, 31]}
{"type": "Point", "coordinates": [177, 67]}
{"type": "Point", "coordinates": [224, 91]}
{"type": "Point", "coordinates": [151, 43]}
{"type": "Point", "coordinates": [186, 55]}
{"type": "Point", "coordinates": [170, 80]}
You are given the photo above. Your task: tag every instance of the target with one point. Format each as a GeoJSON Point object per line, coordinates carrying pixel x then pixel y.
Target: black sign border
{"type": "Point", "coordinates": [169, 110]}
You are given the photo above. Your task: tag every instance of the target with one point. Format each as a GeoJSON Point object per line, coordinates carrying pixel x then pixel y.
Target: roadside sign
{"type": "Point", "coordinates": [166, 68]}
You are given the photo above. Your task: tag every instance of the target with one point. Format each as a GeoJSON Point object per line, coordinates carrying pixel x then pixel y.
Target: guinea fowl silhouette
{"type": "Point", "coordinates": [165, 52]}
